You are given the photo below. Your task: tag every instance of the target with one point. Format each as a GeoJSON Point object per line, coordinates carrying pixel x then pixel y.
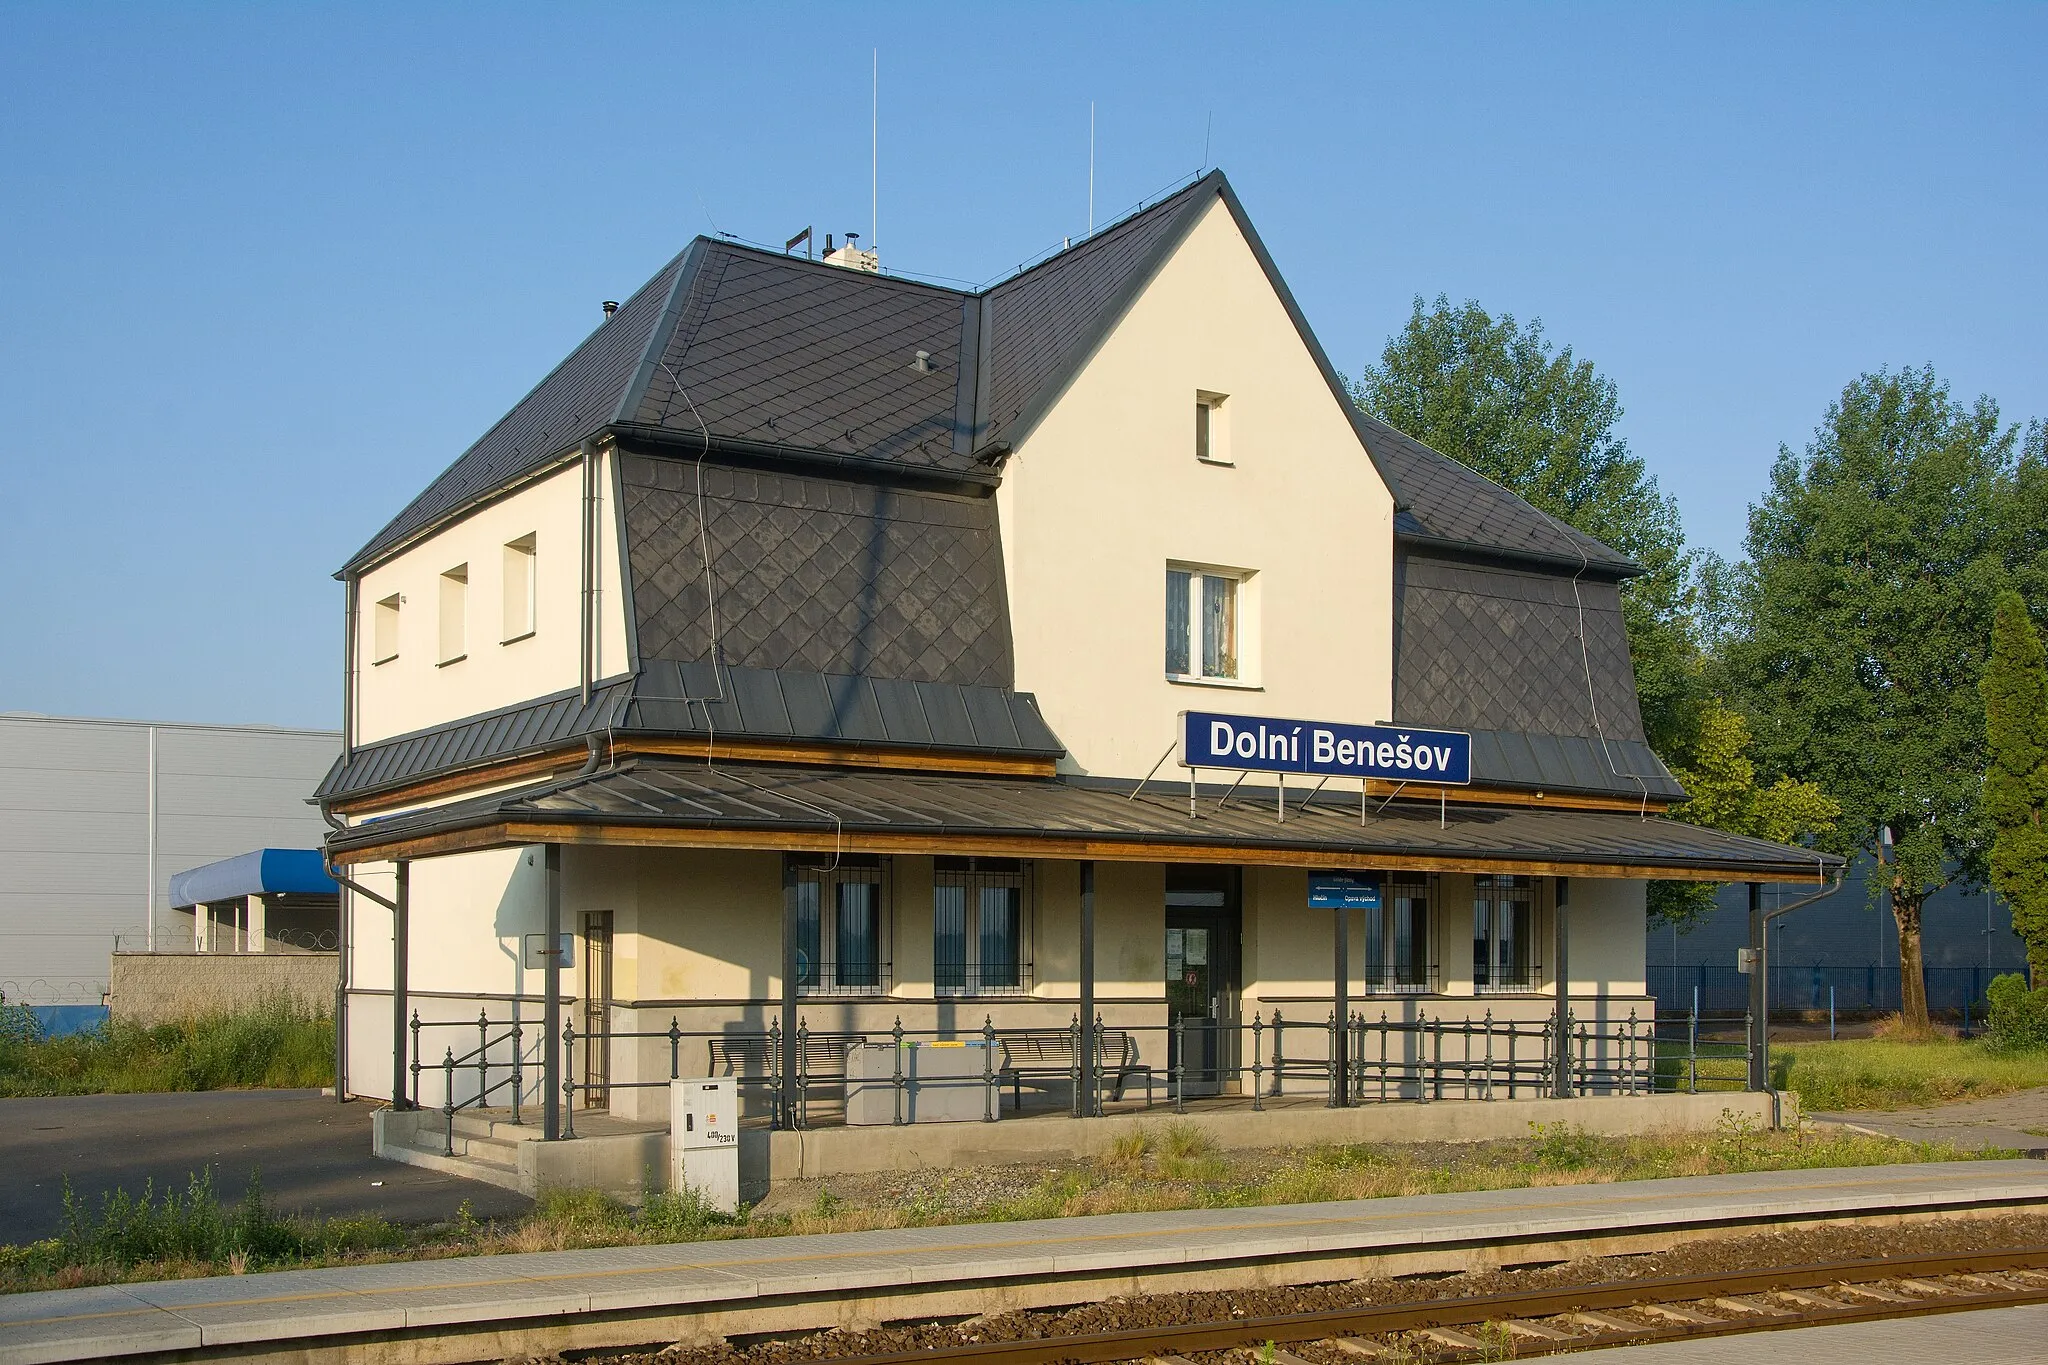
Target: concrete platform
{"type": "Point", "coordinates": [496, 1307]}
{"type": "Point", "coordinates": [1989, 1336]}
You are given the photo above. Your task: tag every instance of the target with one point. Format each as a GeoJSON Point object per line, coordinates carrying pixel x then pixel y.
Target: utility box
{"type": "Point", "coordinates": [1745, 961]}
{"type": "Point", "coordinates": [945, 1082]}
{"type": "Point", "coordinates": [704, 1139]}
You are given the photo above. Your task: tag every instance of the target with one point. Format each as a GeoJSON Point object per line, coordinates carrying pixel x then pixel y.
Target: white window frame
{"type": "Point", "coordinates": [384, 621]}
{"type": "Point", "coordinates": [1386, 976]}
{"type": "Point", "coordinates": [522, 588]}
{"type": "Point", "coordinates": [977, 875]}
{"type": "Point", "coordinates": [1193, 655]}
{"type": "Point", "coordinates": [454, 619]}
{"type": "Point", "coordinates": [1488, 909]}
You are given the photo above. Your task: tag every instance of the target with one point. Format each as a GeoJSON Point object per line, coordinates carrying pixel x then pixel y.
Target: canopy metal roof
{"type": "Point", "coordinates": [260, 872]}
{"type": "Point", "coordinates": [692, 803]}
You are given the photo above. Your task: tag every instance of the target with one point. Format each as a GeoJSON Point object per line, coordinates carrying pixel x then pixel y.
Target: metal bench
{"type": "Point", "coordinates": [1043, 1059]}
{"type": "Point", "coordinates": [757, 1058]}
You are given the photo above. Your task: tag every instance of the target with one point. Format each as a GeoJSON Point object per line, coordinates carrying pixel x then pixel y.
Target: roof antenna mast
{"type": "Point", "coordinates": [875, 155]}
{"type": "Point", "coordinates": [1091, 168]}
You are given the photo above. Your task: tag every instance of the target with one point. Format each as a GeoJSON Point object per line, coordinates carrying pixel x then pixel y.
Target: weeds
{"type": "Point", "coordinates": [278, 1043]}
{"type": "Point", "coordinates": [176, 1233]}
{"type": "Point", "coordinates": [1884, 1073]}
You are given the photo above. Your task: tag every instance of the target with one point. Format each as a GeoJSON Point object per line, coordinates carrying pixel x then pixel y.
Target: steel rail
{"type": "Point", "coordinates": [1090, 1348]}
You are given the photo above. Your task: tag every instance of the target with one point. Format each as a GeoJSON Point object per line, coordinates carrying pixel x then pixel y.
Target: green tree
{"type": "Point", "coordinates": [1873, 561]}
{"type": "Point", "coordinates": [1498, 397]}
{"type": "Point", "coordinates": [1723, 792]}
{"type": "Point", "coordinates": [2015, 688]}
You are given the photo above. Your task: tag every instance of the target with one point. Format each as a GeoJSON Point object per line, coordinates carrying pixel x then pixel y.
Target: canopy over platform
{"type": "Point", "coordinates": [261, 872]}
{"type": "Point", "coordinates": [688, 803]}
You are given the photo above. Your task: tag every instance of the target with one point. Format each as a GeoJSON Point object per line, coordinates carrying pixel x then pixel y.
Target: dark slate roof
{"type": "Point", "coordinates": [692, 701]}
{"type": "Point", "coordinates": [780, 355]}
{"type": "Point", "coordinates": [1042, 323]}
{"type": "Point", "coordinates": [816, 575]}
{"type": "Point", "coordinates": [681, 793]}
{"type": "Point", "coordinates": [577, 399]}
{"type": "Point", "coordinates": [1496, 648]}
{"type": "Point", "coordinates": [1455, 504]}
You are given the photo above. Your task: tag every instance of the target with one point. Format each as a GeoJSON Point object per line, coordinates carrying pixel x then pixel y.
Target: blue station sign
{"type": "Point", "coordinates": [1343, 890]}
{"type": "Point", "coordinates": [1390, 753]}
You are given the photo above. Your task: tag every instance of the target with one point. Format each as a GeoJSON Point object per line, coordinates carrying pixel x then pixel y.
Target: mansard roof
{"type": "Point", "coordinates": [754, 352]}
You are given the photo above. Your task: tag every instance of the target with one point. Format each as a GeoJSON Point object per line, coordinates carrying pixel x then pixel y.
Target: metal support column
{"type": "Point", "coordinates": [1759, 1024]}
{"type": "Point", "coordinates": [786, 1069]}
{"type": "Point", "coordinates": [400, 933]}
{"type": "Point", "coordinates": [1340, 1014]}
{"type": "Point", "coordinates": [1085, 1073]}
{"type": "Point", "coordinates": [1561, 1022]}
{"type": "Point", "coordinates": [551, 994]}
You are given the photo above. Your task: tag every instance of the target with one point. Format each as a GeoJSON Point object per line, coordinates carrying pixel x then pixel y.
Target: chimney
{"type": "Point", "coordinates": [851, 256]}
{"type": "Point", "coordinates": [610, 306]}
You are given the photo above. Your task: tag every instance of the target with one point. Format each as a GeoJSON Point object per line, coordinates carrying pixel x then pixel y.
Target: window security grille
{"type": "Point", "coordinates": [1504, 956]}
{"type": "Point", "coordinates": [981, 926]}
{"type": "Point", "coordinates": [1397, 938]}
{"type": "Point", "coordinates": [842, 928]}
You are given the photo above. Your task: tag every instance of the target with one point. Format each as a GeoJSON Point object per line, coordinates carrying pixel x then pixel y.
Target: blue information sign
{"type": "Point", "coordinates": [1343, 890]}
{"type": "Point", "coordinates": [1392, 753]}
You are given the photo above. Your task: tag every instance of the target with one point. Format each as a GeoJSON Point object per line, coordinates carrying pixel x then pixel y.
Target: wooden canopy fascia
{"type": "Point", "coordinates": [518, 833]}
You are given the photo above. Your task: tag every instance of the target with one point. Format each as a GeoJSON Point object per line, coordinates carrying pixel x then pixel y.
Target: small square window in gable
{"type": "Point", "coordinates": [1212, 428]}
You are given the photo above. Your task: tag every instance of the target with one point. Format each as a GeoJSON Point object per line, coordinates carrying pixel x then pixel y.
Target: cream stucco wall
{"type": "Point", "coordinates": [1106, 490]}
{"type": "Point", "coordinates": [416, 689]}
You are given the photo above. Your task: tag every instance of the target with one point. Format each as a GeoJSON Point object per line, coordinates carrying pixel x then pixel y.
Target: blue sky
{"type": "Point", "coordinates": [265, 270]}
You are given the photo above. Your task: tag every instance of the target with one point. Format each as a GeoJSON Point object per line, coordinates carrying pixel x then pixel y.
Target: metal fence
{"type": "Point", "coordinates": [1810, 988]}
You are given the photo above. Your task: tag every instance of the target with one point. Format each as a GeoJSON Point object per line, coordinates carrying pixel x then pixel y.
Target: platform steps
{"type": "Point", "coordinates": [486, 1144]}
{"type": "Point", "coordinates": [625, 1158]}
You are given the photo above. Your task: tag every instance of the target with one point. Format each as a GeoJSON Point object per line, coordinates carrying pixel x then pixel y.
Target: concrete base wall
{"type": "Point", "coordinates": [155, 988]}
{"type": "Point", "coordinates": [810, 1154]}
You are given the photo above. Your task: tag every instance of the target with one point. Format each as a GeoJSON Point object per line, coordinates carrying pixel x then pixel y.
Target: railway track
{"type": "Point", "coordinates": [1548, 1321]}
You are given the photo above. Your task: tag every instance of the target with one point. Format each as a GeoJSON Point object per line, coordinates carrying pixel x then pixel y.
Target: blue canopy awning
{"type": "Point", "coordinates": [262, 872]}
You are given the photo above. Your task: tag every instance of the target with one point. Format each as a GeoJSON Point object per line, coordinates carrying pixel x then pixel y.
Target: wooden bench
{"type": "Point", "coordinates": [1042, 1059]}
{"type": "Point", "coordinates": [758, 1059]}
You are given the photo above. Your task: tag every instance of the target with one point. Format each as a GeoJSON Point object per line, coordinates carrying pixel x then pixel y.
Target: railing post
{"type": "Point", "coordinates": [448, 1098]}
{"type": "Point", "coordinates": [1095, 1056]}
{"type": "Point", "coordinates": [675, 1049]}
{"type": "Point", "coordinates": [1634, 1084]}
{"type": "Point", "coordinates": [518, 1061]}
{"type": "Point", "coordinates": [415, 1059]}
{"type": "Point", "coordinates": [1579, 1084]}
{"type": "Point", "coordinates": [483, 1058]}
{"type": "Point", "coordinates": [1180, 1065]}
{"type": "Point", "coordinates": [1489, 1053]}
{"type": "Point", "coordinates": [896, 1036]}
{"type": "Point", "coordinates": [988, 1068]}
{"type": "Point", "coordinates": [803, 1072]}
{"type": "Point", "coordinates": [1258, 1073]}
{"type": "Point", "coordinates": [569, 1079]}
{"type": "Point", "coordinates": [1279, 1052]}
{"type": "Point", "coordinates": [1074, 1053]}
{"type": "Point", "coordinates": [1336, 1047]}
{"type": "Point", "coordinates": [783, 1099]}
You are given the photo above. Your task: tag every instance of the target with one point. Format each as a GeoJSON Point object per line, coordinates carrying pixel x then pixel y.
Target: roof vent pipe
{"type": "Point", "coordinates": [610, 306]}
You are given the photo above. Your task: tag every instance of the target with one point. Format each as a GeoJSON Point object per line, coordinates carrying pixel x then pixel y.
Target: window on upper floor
{"type": "Point", "coordinates": [981, 930]}
{"type": "Point", "coordinates": [1212, 428]}
{"type": "Point", "coordinates": [521, 589]}
{"type": "Point", "coordinates": [842, 927]}
{"type": "Point", "coordinates": [384, 629]}
{"type": "Point", "coordinates": [454, 614]}
{"type": "Point", "coordinates": [1205, 624]}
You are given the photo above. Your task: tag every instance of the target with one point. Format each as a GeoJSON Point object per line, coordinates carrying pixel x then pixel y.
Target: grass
{"type": "Point", "coordinates": [175, 1234]}
{"type": "Point", "coordinates": [277, 1043]}
{"type": "Point", "coordinates": [1883, 1073]}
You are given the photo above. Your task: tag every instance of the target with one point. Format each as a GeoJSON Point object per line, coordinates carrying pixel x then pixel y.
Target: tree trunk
{"type": "Point", "coordinates": [1912, 965]}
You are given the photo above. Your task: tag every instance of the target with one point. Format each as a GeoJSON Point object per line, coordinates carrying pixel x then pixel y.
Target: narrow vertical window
{"type": "Point", "coordinates": [1504, 933]}
{"type": "Point", "coordinates": [1212, 435]}
{"type": "Point", "coordinates": [1397, 937]}
{"type": "Point", "coordinates": [521, 587]}
{"type": "Point", "coordinates": [1219, 626]}
{"type": "Point", "coordinates": [454, 613]}
{"type": "Point", "coordinates": [1179, 591]}
{"type": "Point", "coordinates": [842, 928]}
{"type": "Point", "coordinates": [384, 630]}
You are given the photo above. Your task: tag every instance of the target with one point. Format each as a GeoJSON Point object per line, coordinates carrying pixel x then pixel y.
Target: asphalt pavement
{"type": "Point", "coordinates": [312, 1154]}
{"type": "Point", "coordinates": [2017, 1122]}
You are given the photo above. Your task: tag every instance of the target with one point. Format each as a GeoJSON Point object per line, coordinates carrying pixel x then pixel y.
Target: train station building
{"type": "Point", "coordinates": [820, 661]}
